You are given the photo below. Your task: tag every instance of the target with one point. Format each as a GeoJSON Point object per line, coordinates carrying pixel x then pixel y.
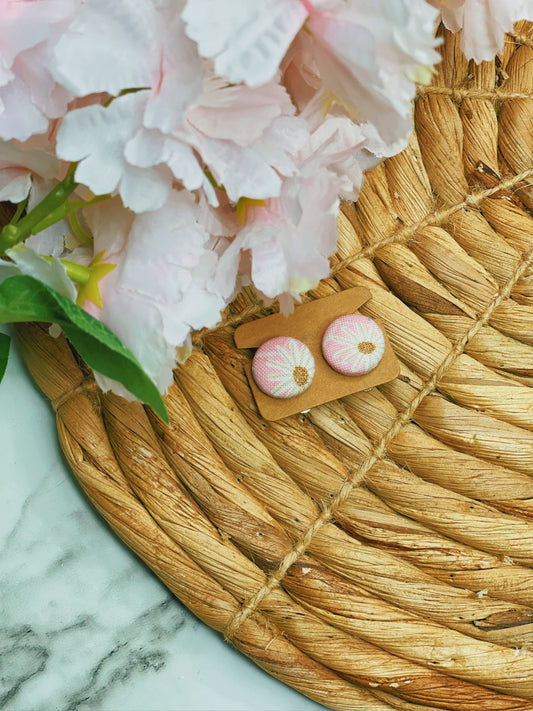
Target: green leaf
{"type": "Point", "coordinates": [24, 298]}
{"type": "Point", "coordinates": [5, 342]}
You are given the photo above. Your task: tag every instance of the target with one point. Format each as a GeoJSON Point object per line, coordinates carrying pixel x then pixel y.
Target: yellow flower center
{"type": "Point", "coordinates": [300, 376]}
{"type": "Point", "coordinates": [366, 347]}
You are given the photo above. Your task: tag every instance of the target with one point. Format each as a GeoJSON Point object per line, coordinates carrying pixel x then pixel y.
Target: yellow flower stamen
{"type": "Point", "coordinates": [329, 98]}
{"type": "Point", "coordinates": [91, 288]}
{"type": "Point", "coordinates": [243, 206]}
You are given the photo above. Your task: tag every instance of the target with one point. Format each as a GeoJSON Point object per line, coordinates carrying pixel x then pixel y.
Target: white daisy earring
{"type": "Point", "coordinates": [353, 344]}
{"type": "Point", "coordinates": [283, 367]}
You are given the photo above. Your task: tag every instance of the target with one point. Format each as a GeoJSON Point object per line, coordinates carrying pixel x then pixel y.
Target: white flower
{"type": "Point", "coordinates": [123, 45]}
{"type": "Point", "coordinates": [18, 162]}
{"type": "Point", "coordinates": [245, 136]}
{"type": "Point", "coordinates": [247, 39]}
{"type": "Point", "coordinates": [242, 136]}
{"type": "Point", "coordinates": [26, 261]}
{"type": "Point", "coordinates": [337, 143]}
{"type": "Point", "coordinates": [365, 55]}
{"type": "Point", "coordinates": [162, 287]}
{"type": "Point", "coordinates": [29, 167]}
{"type": "Point", "coordinates": [290, 238]}
{"type": "Point", "coordinates": [484, 23]}
{"type": "Point", "coordinates": [29, 95]}
{"type": "Point", "coordinates": [97, 136]}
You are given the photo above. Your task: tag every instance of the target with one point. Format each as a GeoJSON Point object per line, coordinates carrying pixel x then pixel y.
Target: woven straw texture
{"type": "Point", "coordinates": [374, 553]}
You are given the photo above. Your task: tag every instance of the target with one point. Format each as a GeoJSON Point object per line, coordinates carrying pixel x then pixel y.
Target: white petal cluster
{"type": "Point", "coordinates": [483, 23]}
{"type": "Point", "coordinates": [224, 133]}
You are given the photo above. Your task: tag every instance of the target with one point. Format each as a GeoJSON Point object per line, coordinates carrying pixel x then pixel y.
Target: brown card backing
{"type": "Point", "coordinates": [308, 323]}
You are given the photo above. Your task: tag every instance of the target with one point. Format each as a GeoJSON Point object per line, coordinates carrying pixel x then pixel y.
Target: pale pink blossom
{"type": "Point", "coordinates": [18, 163]}
{"type": "Point", "coordinates": [376, 149]}
{"type": "Point", "coordinates": [484, 23]}
{"type": "Point", "coordinates": [29, 95]}
{"type": "Point", "coordinates": [363, 54]}
{"type": "Point", "coordinates": [31, 170]}
{"type": "Point", "coordinates": [122, 45]}
{"type": "Point", "coordinates": [225, 131]}
{"type": "Point", "coordinates": [110, 224]}
{"type": "Point", "coordinates": [28, 166]}
{"type": "Point", "coordinates": [286, 243]}
{"type": "Point", "coordinates": [242, 136]}
{"type": "Point", "coordinates": [247, 40]}
{"type": "Point", "coordinates": [97, 136]}
{"type": "Point", "coordinates": [24, 260]}
{"type": "Point", "coordinates": [337, 144]}
{"type": "Point", "coordinates": [163, 286]}
{"type": "Point", "coordinates": [245, 136]}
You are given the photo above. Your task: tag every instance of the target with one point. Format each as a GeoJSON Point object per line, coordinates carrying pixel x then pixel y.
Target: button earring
{"type": "Point", "coordinates": [283, 367]}
{"type": "Point", "coordinates": [353, 344]}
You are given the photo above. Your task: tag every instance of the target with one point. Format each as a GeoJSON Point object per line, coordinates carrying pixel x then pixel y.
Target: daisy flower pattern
{"type": "Point", "coordinates": [353, 344]}
{"type": "Point", "coordinates": [283, 367]}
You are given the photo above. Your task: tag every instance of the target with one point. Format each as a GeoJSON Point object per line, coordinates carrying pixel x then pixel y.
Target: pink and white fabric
{"type": "Point", "coordinates": [283, 367]}
{"type": "Point", "coordinates": [353, 344]}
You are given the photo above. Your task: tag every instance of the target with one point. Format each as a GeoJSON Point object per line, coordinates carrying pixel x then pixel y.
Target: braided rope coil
{"type": "Point", "coordinates": [376, 552]}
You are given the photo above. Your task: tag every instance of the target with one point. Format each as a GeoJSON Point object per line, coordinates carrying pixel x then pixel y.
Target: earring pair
{"type": "Point", "coordinates": [284, 367]}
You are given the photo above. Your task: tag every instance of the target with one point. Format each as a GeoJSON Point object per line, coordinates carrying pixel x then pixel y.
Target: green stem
{"type": "Point", "coordinates": [78, 230]}
{"type": "Point", "coordinates": [20, 209]}
{"type": "Point", "coordinates": [13, 234]}
{"type": "Point", "coordinates": [76, 272]}
{"type": "Point", "coordinates": [65, 209]}
{"type": "Point", "coordinates": [133, 90]}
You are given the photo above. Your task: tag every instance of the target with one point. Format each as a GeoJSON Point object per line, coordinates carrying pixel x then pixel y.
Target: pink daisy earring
{"type": "Point", "coordinates": [353, 344]}
{"type": "Point", "coordinates": [283, 367]}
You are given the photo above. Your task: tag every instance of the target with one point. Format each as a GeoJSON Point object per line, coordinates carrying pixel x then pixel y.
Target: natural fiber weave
{"type": "Point", "coordinates": [374, 553]}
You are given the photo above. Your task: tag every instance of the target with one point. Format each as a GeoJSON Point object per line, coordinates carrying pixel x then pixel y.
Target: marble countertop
{"type": "Point", "coordinates": [84, 625]}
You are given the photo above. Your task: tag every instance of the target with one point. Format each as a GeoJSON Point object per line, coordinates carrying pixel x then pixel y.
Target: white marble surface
{"type": "Point", "coordinates": [83, 624]}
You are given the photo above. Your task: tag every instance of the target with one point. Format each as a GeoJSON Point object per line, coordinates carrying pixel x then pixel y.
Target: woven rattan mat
{"type": "Point", "coordinates": [375, 552]}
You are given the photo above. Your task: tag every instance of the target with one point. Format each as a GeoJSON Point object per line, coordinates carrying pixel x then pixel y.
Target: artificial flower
{"type": "Point", "coordinates": [365, 55]}
{"type": "Point", "coordinates": [122, 46]}
{"type": "Point", "coordinates": [29, 94]}
{"type": "Point", "coordinates": [18, 163]}
{"type": "Point", "coordinates": [245, 136]}
{"type": "Point", "coordinates": [247, 40]}
{"type": "Point", "coordinates": [97, 137]}
{"type": "Point", "coordinates": [242, 136]}
{"type": "Point", "coordinates": [163, 286]}
{"type": "Point", "coordinates": [220, 136]}
{"type": "Point", "coordinates": [51, 272]}
{"type": "Point", "coordinates": [483, 23]}
{"type": "Point", "coordinates": [288, 239]}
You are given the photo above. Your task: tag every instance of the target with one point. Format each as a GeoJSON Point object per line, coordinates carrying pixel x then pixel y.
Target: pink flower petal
{"type": "Point", "coordinates": [246, 39]}
{"type": "Point", "coordinates": [484, 23]}
{"type": "Point", "coordinates": [108, 47]}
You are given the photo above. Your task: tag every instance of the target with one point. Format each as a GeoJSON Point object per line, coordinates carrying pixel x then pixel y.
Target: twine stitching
{"type": "Point", "coordinates": [398, 236]}
{"type": "Point", "coordinates": [458, 95]}
{"type": "Point", "coordinates": [378, 451]}
{"type": "Point", "coordinates": [84, 387]}
{"type": "Point", "coordinates": [404, 234]}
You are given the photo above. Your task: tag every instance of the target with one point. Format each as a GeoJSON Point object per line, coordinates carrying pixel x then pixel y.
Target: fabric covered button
{"type": "Point", "coordinates": [353, 344]}
{"type": "Point", "coordinates": [283, 367]}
